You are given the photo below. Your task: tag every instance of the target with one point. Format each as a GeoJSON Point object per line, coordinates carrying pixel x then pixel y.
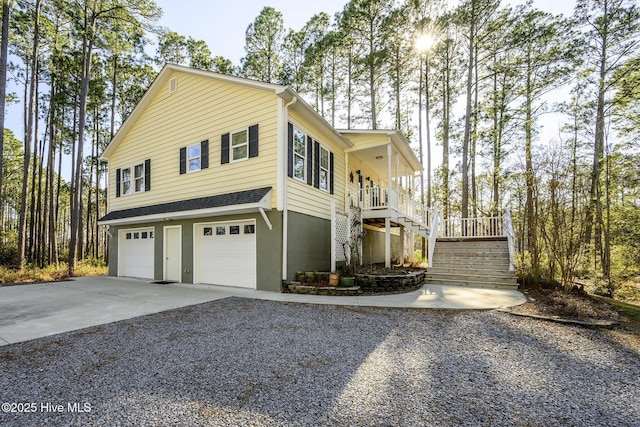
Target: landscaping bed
{"type": "Point", "coordinates": [366, 281]}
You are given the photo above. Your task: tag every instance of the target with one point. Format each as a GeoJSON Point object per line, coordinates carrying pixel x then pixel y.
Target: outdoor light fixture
{"type": "Point", "coordinates": [378, 157]}
{"type": "Point", "coordinates": [358, 172]}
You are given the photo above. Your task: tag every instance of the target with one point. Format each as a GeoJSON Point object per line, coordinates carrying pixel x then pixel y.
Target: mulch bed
{"type": "Point", "coordinates": [555, 304]}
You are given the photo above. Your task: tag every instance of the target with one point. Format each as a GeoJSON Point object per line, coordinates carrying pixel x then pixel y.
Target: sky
{"type": "Point", "coordinates": [222, 25]}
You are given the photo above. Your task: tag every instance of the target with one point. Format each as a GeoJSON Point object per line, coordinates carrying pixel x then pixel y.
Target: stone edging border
{"type": "Point", "coordinates": [590, 323]}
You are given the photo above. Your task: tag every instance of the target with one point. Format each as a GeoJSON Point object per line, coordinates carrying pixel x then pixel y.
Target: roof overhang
{"type": "Point", "coordinates": [257, 201]}
{"type": "Point", "coordinates": [395, 137]}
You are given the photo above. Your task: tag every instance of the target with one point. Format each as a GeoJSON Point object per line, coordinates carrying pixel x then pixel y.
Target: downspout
{"type": "Point", "coordinates": [285, 195]}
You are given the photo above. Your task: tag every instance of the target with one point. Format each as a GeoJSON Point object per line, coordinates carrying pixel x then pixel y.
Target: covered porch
{"type": "Point", "coordinates": [383, 173]}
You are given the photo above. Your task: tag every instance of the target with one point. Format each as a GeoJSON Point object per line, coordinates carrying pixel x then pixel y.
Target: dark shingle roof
{"type": "Point", "coordinates": [229, 199]}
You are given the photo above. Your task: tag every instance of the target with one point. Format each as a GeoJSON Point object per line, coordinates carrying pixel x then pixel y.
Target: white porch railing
{"type": "Point", "coordinates": [472, 227]}
{"type": "Point", "coordinates": [379, 198]}
{"type": "Point", "coordinates": [433, 235]}
{"type": "Point", "coordinates": [511, 238]}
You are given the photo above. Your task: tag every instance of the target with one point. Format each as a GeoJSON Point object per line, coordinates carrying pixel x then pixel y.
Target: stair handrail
{"type": "Point", "coordinates": [433, 234]}
{"type": "Point", "coordinates": [508, 230]}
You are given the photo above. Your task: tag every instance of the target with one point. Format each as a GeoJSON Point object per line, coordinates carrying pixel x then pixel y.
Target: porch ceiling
{"type": "Point", "coordinates": [371, 147]}
{"type": "Point", "coordinates": [376, 157]}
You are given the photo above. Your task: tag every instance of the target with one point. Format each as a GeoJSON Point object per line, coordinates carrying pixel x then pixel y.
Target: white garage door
{"type": "Point", "coordinates": [135, 252]}
{"type": "Point", "coordinates": [225, 253]}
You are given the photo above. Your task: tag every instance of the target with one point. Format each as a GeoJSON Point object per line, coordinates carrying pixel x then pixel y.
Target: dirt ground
{"type": "Point", "coordinates": [581, 308]}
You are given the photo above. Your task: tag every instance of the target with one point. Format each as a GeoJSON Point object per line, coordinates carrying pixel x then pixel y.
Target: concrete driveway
{"type": "Point", "coordinates": [38, 310]}
{"type": "Point", "coordinates": [33, 311]}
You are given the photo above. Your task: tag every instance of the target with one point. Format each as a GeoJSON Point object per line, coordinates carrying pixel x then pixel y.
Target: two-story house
{"type": "Point", "coordinates": [222, 180]}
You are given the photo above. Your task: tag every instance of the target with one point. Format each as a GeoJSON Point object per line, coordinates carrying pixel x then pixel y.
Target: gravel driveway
{"type": "Point", "coordinates": [248, 362]}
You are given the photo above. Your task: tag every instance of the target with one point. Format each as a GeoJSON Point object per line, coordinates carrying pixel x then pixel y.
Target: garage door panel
{"type": "Point", "coordinates": [136, 253]}
{"type": "Point", "coordinates": [225, 258]}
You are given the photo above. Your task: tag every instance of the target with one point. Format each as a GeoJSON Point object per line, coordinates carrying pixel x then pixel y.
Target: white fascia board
{"type": "Point", "coordinates": [264, 204]}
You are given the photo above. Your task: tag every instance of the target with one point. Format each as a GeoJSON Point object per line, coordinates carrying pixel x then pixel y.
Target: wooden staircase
{"type": "Point", "coordinates": [476, 262]}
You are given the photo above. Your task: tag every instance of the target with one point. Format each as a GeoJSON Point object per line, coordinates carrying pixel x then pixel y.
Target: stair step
{"type": "Point", "coordinates": [471, 271]}
{"type": "Point", "coordinates": [470, 283]}
{"type": "Point", "coordinates": [471, 259]}
{"type": "Point", "coordinates": [470, 239]}
{"type": "Point", "coordinates": [467, 255]}
{"type": "Point", "coordinates": [473, 277]}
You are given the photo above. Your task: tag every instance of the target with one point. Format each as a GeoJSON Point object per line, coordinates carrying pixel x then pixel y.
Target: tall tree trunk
{"type": "Point", "coordinates": [446, 111]}
{"type": "Point", "coordinates": [4, 47]}
{"type": "Point", "coordinates": [76, 216]}
{"type": "Point", "coordinates": [22, 232]}
{"type": "Point", "coordinates": [114, 93]}
{"type": "Point", "coordinates": [420, 80]}
{"type": "Point", "coordinates": [427, 109]}
{"type": "Point", "coordinates": [532, 237]}
{"type": "Point", "coordinates": [39, 210]}
{"type": "Point", "coordinates": [32, 237]}
{"type": "Point", "coordinates": [468, 116]}
{"type": "Point", "coordinates": [372, 79]}
{"type": "Point", "coordinates": [51, 225]}
{"type": "Point", "coordinates": [474, 140]}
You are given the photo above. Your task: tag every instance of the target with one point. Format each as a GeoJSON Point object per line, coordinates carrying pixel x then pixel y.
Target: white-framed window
{"type": "Point", "coordinates": [132, 179]}
{"type": "Point", "coordinates": [193, 158]}
{"type": "Point", "coordinates": [299, 155]}
{"type": "Point", "coordinates": [240, 145]}
{"type": "Point", "coordinates": [138, 177]}
{"type": "Point", "coordinates": [324, 169]}
{"type": "Point", "coordinates": [126, 181]}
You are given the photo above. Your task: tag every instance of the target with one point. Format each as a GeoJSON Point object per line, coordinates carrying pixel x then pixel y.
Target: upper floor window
{"type": "Point", "coordinates": [299, 155]}
{"type": "Point", "coordinates": [133, 179]}
{"type": "Point", "coordinates": [240, 145]}
{"type": "Point", "coordinates": [309, 161]}
{"type": "Point", "coordinates": [324, 169]}
{"type": "Point", "coordinates": [138, 177]}
{"type": "Point", "coordinates": [193, 157]}
{"type": "Point", "coordinates": [126, 181]}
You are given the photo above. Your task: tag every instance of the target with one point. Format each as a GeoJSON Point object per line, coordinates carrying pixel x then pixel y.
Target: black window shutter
{"type": "Point", "coordinates": [309, 160]}
{"type": "Point", "coordinates": [183, 160]}
{"type": "Point", "coordinates": [316, 164]}
{"type": "Point", "coordinates": [147, 175]}
{"type": "Point", "coordinates": [224, 155]}
{"type": "Point", "coordinates": [118, 181]}
{"type": "Point", "coordinates": [331, 173]}
{"type": "Point", "coordinates": [253, 141]}
{"type": "Point", "coordinates": [290, 151]}
{"type": "Point", "coordinates": [204, 154]}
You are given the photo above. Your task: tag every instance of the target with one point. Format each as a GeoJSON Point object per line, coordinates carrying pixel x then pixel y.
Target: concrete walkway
{"type": "Point", "coordinates": [33, 311]}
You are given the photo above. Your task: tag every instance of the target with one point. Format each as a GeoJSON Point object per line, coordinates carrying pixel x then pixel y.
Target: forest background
{"type": "Point", "coordinates": [468, 84]}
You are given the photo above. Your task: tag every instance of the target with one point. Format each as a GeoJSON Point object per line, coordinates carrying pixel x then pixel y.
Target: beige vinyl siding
{"type": "Point", "coordinates": [379, 177]}
{"type": "Point", "coordinates": [307, 199]}
{"type": "Point", "coordinates": [201, 109]}
{"type": "Point", "coordinates": [364, 140]}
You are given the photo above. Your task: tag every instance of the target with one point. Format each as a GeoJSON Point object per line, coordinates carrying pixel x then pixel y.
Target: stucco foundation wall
{"type": "Point", "coordinates": [309, 244]}
{"type": "Point", "coordinates": [268, 242]}
{"type": "Point", "coordinates": [373, 246]}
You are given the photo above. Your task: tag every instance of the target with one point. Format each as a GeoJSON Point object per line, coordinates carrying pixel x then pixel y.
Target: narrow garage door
{"type": "Point", "coordinates": [135, 253]}
{"type": "Point", "coordinates": [225, 253]}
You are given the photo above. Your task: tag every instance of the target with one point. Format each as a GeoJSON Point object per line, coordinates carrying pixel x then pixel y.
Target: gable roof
{"type": "Point", "coordinates": [284, 92]}
{"type": "Point", "coordinates": [230, 203]}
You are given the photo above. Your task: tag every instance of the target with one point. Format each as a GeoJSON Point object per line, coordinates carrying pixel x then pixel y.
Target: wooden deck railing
{"type": "Point", "coordinates": [472, 227]}
{"type": "Point", "coordinates": [379, 198]}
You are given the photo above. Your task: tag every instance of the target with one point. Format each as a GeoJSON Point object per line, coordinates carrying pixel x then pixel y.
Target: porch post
{"type": "Point", "coordinates": [333, 235]}
{"type": "Point", "coordinates": [387, 242]}
{"type": "Point", "coordinates": [347, 182]}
